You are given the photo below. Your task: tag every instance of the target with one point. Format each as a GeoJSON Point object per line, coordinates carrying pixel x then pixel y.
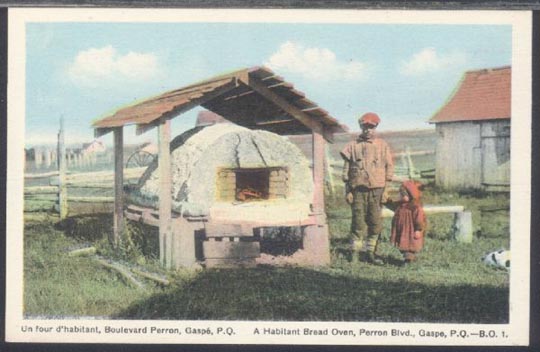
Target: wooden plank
{"type": "Point", "coordinates": [230, 263]}
{"type": "Point", "coordinates": [95, 199]}
{"type": "Point", "coordinates": [40, 175]}
{"type": "Point", "coordinates": [118, 225]}
{"type": "Point", "coordinates": [219, 229]}
{"type": "Point", "coordinates": [184, 252]}
{"type": "Point", "coordinates": [40, 190]}
{"type": "Point", "coordinates": [231, 250]}
{"type": "Point", "coordinates": [77, 208]}
{"type": "Point", "coordinates": [274, 122]}
{"type": "Point", "coordinates": [154, 277]}
{"type": "Point", "coordinates": [82, 252]}
{"type": "Point", "coordinates": [165, 198]}
{"type": "Point", "coordinates": [122, 270]}
{"type": "Point", "coordinates": [430, 209]}
{"type": "Point", "coordinates": [103, 176]}
{"type": "Point", "coordinates": [145, 217]}
{"type": "Point", "coordinates": [133, 216]}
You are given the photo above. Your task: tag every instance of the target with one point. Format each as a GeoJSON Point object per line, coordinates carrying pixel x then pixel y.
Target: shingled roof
{"type": "Point", "coordinates": [254, 97]}
{"type": "Point", "coordinates": [480, 95]}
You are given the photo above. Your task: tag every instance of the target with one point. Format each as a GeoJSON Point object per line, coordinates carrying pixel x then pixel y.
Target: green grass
{"type": "Point", "coordinates": [59, 285]}
{"type": "Point", "coordinates": [447, 284]}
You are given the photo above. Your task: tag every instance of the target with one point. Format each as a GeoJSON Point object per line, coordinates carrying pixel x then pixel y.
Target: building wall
{"type": "Point", "coordinates": [496, 154]}
{"type": "Point", "coordinates": [473, 154]}
{"type": "Point", "coordinates": [458, 155]}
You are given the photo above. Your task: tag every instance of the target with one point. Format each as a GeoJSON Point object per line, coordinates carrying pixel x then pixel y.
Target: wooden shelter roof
{"type": "Point", "coordinates": [480, 95]}
{"type": "Point", "coordinates": [254, 97]}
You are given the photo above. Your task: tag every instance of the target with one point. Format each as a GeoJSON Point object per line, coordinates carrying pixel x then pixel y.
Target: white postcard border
{"type": "Point", "coordinates": [514, 333]}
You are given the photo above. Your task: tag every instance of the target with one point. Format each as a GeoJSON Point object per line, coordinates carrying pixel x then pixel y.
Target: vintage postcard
{"type": "Point", "coordinates": [326, 177]}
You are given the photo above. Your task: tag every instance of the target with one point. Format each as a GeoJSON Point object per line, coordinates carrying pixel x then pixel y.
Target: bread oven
{"type": "Point", "coordinates": [229, 178]}
{"type": "Point", "coordinates": [222, 185]}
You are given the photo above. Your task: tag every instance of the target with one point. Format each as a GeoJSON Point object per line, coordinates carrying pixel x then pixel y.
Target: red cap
{"type": "Point", "coordinates": [412, 188]}
{"type": "Point", "coordinates": [369, 118]}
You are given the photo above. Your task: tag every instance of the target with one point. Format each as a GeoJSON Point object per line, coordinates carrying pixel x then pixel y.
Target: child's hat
{"type": "Point", "coordinates": [413, 188]}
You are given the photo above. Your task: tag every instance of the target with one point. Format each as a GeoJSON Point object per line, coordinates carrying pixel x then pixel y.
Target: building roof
{"type": "Point", "coordinates": [254, 97]}
{"type": "Point", "coordinates": [480, 95]}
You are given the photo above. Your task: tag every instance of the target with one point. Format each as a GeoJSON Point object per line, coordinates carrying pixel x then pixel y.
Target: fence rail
{"type": "Point", "coordinates": [96, 180]}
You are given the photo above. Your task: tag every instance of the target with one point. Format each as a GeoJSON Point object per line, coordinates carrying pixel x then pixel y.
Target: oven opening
{"type": "Point", "coordinates": [252, 184]}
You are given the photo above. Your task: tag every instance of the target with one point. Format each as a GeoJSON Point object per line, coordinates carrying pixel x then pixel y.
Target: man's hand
{"type": "Point", "coordinates": [418, 235]}
{"type": "Point", "coordinates": [349, 197]}
{"type": "Point", "coordinates": [384, 197]}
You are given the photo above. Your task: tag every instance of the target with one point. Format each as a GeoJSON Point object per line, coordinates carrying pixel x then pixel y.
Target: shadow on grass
{"type": "Point", "coordinates": [86, 227]}
{"type": "Point", "coordinates": [299, 294]}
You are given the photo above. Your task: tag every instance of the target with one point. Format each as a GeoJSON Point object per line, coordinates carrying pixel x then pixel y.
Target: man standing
{"type": "Point", "coordinates": [368, 166]}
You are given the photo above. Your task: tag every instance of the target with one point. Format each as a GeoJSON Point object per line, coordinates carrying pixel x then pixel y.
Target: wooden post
{"type": "Point", "coordinates": [329, 179]}
{"type": "Point", "coordinates": [165, 198]}
{"type": "Point", "coordinates": [316, 238]}
{"type": "Point", "coordinates": [463, 227]}
{"type": "Point", "coordinates": [118, 186]}
{"type": "Point", "coordinates": [184, 242]}
{"type": "Point", "coordinates": [410, 166]}
{"type": "Point", "coordinates": [318, 145]}
{"type": "Point", "coordinates": [62, 184]}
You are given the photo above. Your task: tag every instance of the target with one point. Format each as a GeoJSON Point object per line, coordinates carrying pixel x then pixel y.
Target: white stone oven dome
{"type": "Point", "coordinates": [232, 173]}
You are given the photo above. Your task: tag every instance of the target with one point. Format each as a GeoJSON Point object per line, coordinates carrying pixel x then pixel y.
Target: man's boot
{"type": "Point", "coordinates": [370, 258]}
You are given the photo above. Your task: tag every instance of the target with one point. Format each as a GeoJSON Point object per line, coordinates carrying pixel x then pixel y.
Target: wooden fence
{"type": "Point", "coordinates": [78, 188]}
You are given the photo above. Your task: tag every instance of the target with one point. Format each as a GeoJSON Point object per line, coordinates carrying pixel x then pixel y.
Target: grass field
{"type": "Point", "coordinates": [447, 284]}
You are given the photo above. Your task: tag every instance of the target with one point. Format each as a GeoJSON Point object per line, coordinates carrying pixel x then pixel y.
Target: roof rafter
{"type": "Point", "coordinates": [285, 105]}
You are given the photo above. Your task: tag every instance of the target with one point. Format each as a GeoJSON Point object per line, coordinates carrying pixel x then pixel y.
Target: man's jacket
{"type": "Point", "coordinates": [368, 163]}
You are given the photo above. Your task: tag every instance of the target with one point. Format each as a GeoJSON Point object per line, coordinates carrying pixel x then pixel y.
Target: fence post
{"type": "Point", "coordinates": [62, 187]}
{"type": "Point", "coordinates": [463, 227]}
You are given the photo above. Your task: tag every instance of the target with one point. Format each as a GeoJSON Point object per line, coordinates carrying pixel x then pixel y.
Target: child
{"type": "Point", "coordinates": [409, 222]}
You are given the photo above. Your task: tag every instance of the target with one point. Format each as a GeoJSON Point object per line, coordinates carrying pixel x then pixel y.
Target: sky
{"type": "Point", "coordinates": [404, 73]}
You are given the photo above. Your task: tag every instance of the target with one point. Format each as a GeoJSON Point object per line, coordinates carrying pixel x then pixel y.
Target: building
{"type": "Point", "coordinates": [96, 146]}
{"type": "Point", "coordinates": [473, 128]}
{"type": "Point", "coordinates": [206, 118]}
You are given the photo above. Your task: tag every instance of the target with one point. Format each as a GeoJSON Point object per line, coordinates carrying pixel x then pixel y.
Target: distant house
{"type": "Point", "coordinates": [96, 146]}
{"type": "Point", "coordinates": [473, 128]}
{"type": "Point", "coordinates": [207, 118]}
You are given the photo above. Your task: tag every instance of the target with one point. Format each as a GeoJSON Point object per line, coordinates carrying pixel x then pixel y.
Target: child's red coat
{"type": "Point", "coordinates": [408, 218]}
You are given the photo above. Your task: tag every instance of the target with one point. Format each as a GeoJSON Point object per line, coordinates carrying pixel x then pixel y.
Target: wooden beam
{"type": "Point", "coordinates": [165, 198]}
{"type": "Point", "coordinates": [118, 227]}
{"type": "Point", "coordinates": [98, 132]}
{"type": "Point", "coordinates": [262, 123]}
{"type": "Point", "coordinates": [289, 108]}
{"type": "Point", "coordinates": [142, 128]}
{"type": "Point", "coordinates": [279, 101]}
{"type": "Point", "coordinates": [236, 96]}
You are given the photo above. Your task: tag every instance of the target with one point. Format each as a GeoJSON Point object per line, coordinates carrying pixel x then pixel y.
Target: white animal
{"type": "Point", "coordinates": [500, 258]}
